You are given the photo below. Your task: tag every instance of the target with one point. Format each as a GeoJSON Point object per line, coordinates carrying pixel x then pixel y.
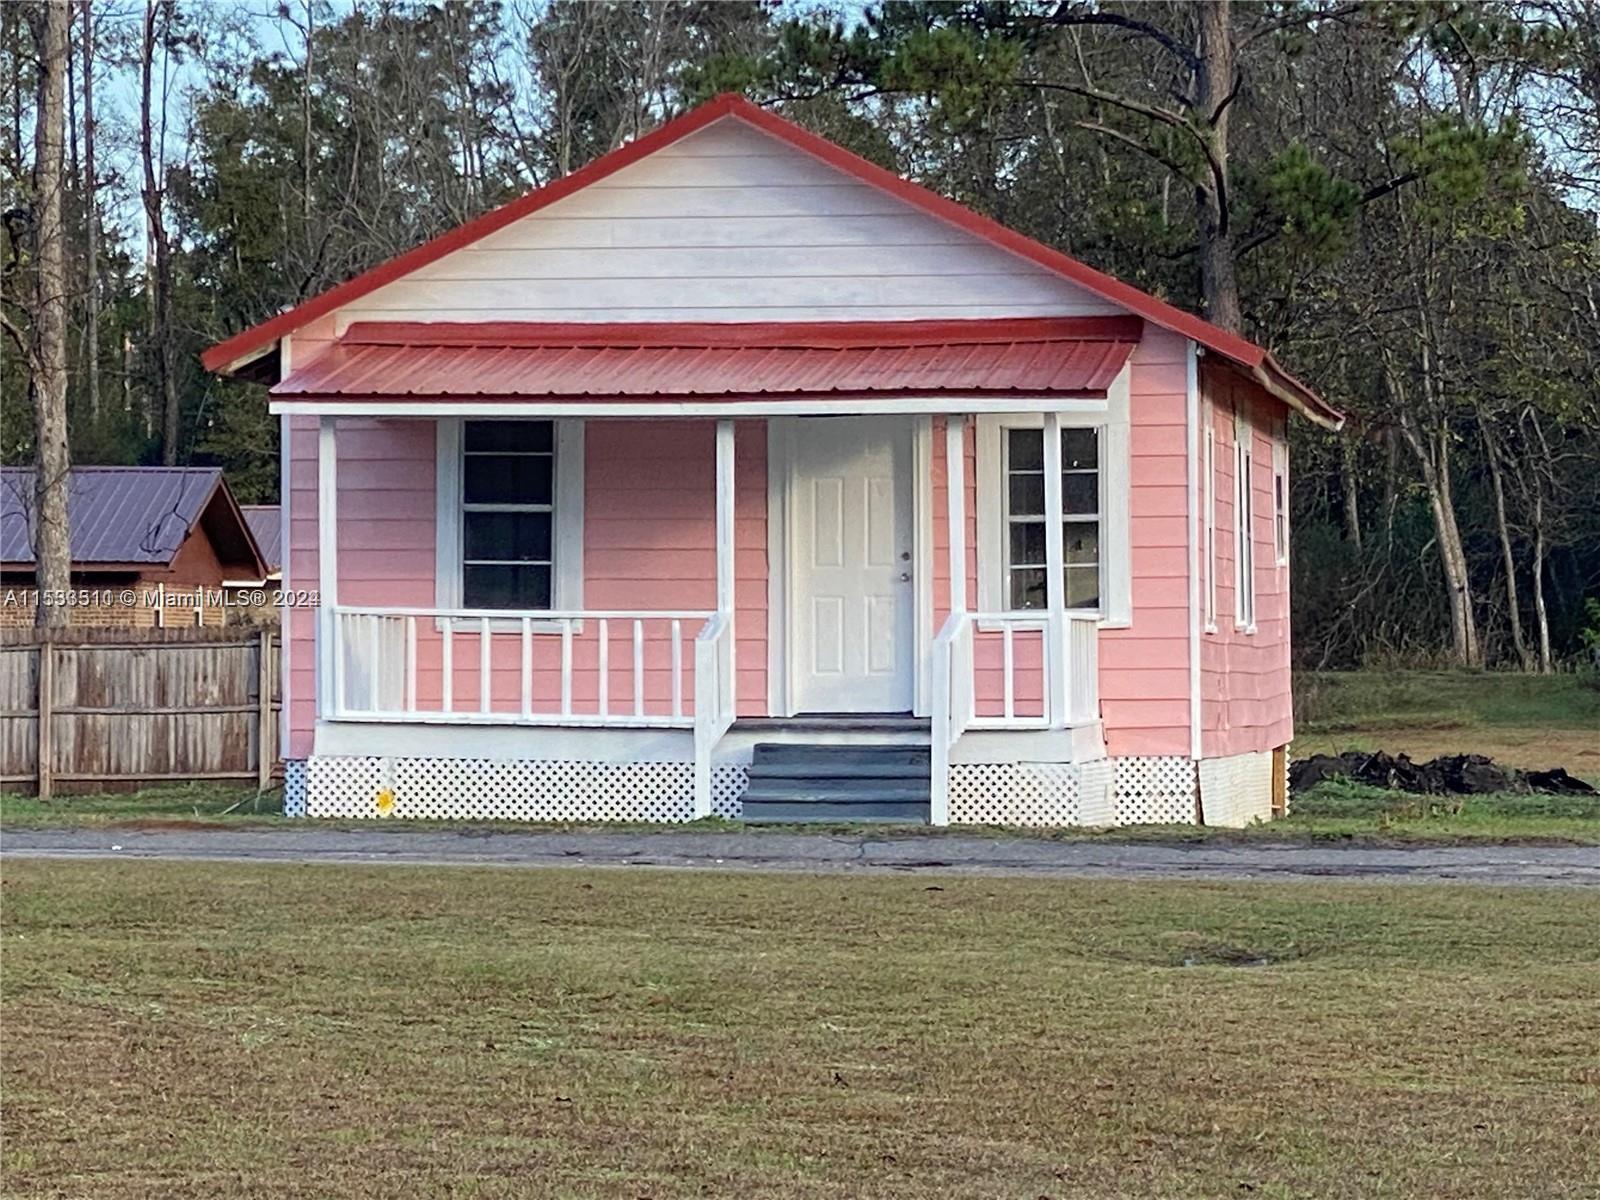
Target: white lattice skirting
{"type": "Point", "coordinates": [490, 789]}
{"type": "Point", "coordinates": [1148, 790]}
{"type": "Point", "coordinates": [1154, 790]}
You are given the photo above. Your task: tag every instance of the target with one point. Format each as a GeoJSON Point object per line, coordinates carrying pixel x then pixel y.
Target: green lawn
{"type": "Point", "coordinates": [227, 1031]}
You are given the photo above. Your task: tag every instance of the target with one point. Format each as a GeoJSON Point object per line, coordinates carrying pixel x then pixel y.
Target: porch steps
{"type": "Point", "coordinates": [799, 782]}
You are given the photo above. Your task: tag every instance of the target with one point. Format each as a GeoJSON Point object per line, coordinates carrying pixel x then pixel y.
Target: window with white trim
{"type": "Point", "coordinates": [1024, 518]}
{"type": "Point", "coordinates": [1280, 500]}
{"type": "Point", "coordinates": [1244, 557]}
{"type": "Point", "coordinates": [509, 528]}
{"type": "Point", "coordinates": [508, 475]}
{"type": "Point", "coordinates": [1210, 502]}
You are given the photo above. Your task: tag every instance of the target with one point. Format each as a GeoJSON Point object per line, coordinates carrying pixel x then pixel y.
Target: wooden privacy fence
{"type": "Point", "coordinates": [88, 709]}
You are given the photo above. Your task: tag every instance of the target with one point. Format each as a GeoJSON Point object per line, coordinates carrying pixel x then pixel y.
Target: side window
{"type": "Point", "coordinates": [507, 514]}
{"type": "Point", "coordinates": [1280, 500]}
{"type": "Point", "coordinates": [1244, 521]}
{"type": "Point", "coordinates": [1024, 517]}
{"type": "Point", "coordinates": [1209, 499]}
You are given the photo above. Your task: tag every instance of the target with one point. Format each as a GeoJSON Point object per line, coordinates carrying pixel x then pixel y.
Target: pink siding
{"type": "Point", "coordinates": [1144, 669]}
{"type": "Point", "coordinates": [649, 543]}
{"type": "Point", "coordinates": [1246, 700]}
{"type": "Point", "coordinates": [650, 536]}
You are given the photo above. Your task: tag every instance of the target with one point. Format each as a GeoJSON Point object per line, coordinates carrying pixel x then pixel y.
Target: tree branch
{"type": "Point", "coordinates": [1129, 140]}
{"type": "Point", "coordinates": [23, 343]}
{"type": "Point", "coordinates": [1065, 15]}
{"type": "Point", "coordinates": [1299, 18]}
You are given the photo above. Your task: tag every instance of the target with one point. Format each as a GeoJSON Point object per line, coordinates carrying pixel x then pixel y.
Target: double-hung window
{"type": "Point", "coordinates": [1024, 518]}
{"type": "Point", "coordinates": [509, 516]}
{"type": "Point", "coordinates": [508, 472]}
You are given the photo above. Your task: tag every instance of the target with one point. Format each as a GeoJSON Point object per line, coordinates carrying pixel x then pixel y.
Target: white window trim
{"type": "Point", "coordinates": [1116, 545]}
{"type": "Point", "coordinates": [567, 574]}
{"type": "Point", "coordinates": [1244, 519]}
{"type": "Point", "coordinates": [1280, 488]}
{"type": "Point", "coordinates": [1209, 500]}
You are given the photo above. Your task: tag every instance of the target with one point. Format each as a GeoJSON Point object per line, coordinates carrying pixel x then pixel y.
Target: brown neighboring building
{"type": "Point", "coordinates": [172, 536]}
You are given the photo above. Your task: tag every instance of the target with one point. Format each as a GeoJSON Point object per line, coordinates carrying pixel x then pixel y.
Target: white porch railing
{"type": "Point", "coordinates": [479, 666]}
{"type": "Point", "coordinates": [981, 665]}
{"type": "Point", "coordinates": [460, 666]}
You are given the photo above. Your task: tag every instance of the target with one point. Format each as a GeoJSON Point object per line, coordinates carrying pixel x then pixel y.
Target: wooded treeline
{"type": "Point", "coordinates": [1401, 199]}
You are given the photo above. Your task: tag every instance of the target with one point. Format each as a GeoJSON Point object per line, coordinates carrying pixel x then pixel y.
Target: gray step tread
{"type": "Point", "coordinates": [839, 770]}
{"type": "Point", "coordinates": [818, 811]}
{"type": "Point", "coordinates": [834, 791]}
{"type": "Point", "coordinates": [765, 752]}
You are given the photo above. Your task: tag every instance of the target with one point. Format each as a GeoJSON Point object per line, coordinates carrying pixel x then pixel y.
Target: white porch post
{"type": "Point", "coordinates": [944, 691]}
{"type": "Point", "coordinates": [328, 665]}
{"type": "Point", "coordinates": [955, 463]}
{"type": "Point", "coordinates": [1055, 573]}
{"type": "Point", "coordinates": [725, 516]}
{"type": "Point", "coordinates": [723, 664]}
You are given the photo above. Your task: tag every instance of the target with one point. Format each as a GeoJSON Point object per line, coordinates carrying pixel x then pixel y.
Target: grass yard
{"type": "Point", "coordinates": [226, 1031]}
{"type": "Point", "coordinates": [1527, 721]}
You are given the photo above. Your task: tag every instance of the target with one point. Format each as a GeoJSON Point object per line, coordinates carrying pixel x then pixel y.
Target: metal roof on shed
{"type": "Point", "coordinates": [116, 514]}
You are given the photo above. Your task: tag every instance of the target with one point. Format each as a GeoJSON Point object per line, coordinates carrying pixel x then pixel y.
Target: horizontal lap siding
{"type": "Point", "coordinates": [1247, 703]}
{"type": "Point", "coordinates": [1144, 669]}
{"type": "Point", "coordinates": [728, 224]}
{"type": "Point", "coordinates": [650, 536]}
{"type": "Point", "coordinates": [649, 543]}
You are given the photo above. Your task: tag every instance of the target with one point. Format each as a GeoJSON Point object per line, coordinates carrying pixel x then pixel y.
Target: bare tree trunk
{"type": "Point", "coordinates": [51, 538]}
{"type": "Point", "coordinates": [1507, 557]}
{"type": "Point", "coordinates": [1432, 451]}
{"type": "Point", "coordinates": [1351, 496]}
{"type": "Point", "coordinates": [305, 117]}
{"type": "Point", "coordinates": [160, 264]}
{"type": "Point", "coordinates": [91, 206]}
{"type": "Point", "coordinates": [1216, 82]}
{"type": "Point", "coordinates": [1540, 613]}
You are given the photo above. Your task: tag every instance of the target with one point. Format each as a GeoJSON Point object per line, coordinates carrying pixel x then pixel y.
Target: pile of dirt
{"type": "Point", "coordinates": [1448, 775]}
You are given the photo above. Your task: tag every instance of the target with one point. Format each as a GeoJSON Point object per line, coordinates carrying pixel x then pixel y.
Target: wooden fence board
{"type": "Point", "coordinates": [125, 707]}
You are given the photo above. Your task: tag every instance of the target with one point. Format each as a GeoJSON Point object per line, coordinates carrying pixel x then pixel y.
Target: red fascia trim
{"type": "Point", "coordinates": [822, 335]}
{"type": "Point", "coordinates": [256, 336]}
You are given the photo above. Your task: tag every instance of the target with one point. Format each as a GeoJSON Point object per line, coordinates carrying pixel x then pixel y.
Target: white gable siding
{"type": "Point", "coordinates": [727, 224]}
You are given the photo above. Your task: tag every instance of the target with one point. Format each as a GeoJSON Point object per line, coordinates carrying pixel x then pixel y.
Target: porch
{"type": "Point", "coordinates": [852, 628]}
{"type": "Point", "coordinates": [641, 576]}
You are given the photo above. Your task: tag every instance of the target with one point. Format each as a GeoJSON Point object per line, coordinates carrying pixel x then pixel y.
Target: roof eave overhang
{"type": "Point", "coordinates": [923, 403]}
{"type": "Point", "coordinates": [1295, 394]}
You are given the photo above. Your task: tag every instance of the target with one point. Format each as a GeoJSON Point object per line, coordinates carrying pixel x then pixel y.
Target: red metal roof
{"type": "Point", "coordinates": [1077, 356]}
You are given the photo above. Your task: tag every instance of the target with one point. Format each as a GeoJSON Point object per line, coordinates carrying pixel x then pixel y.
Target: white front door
{"type": "Point", "coordinates": [853, 602]}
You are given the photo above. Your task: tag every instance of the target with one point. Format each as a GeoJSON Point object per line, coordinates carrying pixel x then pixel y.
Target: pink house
{"type": "Point", "coordinates": [643, 496]}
